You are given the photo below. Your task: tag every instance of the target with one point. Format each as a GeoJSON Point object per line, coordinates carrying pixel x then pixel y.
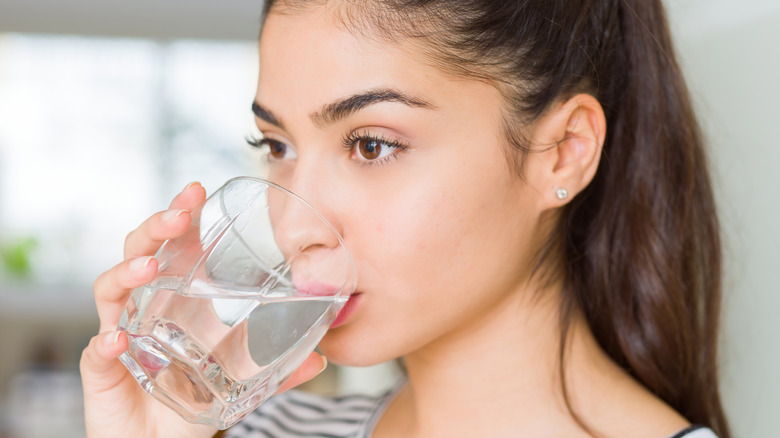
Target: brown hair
{"type": "Point", "coordinates": [640, 245]}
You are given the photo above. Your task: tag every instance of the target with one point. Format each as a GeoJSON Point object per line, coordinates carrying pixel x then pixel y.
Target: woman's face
{"type": "Point", "coordinates": [410, 165]}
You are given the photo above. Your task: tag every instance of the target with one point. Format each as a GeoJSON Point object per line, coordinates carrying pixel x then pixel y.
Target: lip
{"type": "Point", "coordinates": [315, 289]}
{"type": "Point", "coordinates": [349, 308]}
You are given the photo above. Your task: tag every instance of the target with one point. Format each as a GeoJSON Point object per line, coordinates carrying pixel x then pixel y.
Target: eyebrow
{"type": "Point", "coordinates": [342, 108]}
{"type": "Point", "coordinates": [263, 113]}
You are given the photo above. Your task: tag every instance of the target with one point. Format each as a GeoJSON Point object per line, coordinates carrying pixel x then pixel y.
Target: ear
{"type": "Point", "coordinates": [575, 131]}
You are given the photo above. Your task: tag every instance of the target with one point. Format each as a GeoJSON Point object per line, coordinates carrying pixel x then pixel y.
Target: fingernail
{"type": "Point", "coordinates": [190, 185]}
{"type": "Point", "coordinates": [140, 263]}
{"type": "Point", "coordinates": [172, 214]}
{"type": "Point", "coordinates": [324, 364]}
{"type": "Point", "coordinates": [111, 338]}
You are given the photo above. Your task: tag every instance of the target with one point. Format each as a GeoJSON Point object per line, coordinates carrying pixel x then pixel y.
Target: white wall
{"type": "Point", "coordinates": [729, 51]}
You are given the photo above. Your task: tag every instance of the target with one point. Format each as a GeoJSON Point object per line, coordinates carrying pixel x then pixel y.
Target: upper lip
{"type": "Point", "coordinates": [316, 288]}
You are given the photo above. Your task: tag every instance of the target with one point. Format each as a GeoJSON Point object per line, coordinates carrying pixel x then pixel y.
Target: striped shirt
{"type": "Point", "coordinates": [297, 414]}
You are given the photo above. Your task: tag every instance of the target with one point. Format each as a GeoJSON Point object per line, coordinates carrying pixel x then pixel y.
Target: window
{"type": "Point", "coordinates": [96, 134]}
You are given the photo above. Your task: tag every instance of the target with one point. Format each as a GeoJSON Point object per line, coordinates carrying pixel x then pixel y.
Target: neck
{"type": "Point", "coordinates": [501, 370]}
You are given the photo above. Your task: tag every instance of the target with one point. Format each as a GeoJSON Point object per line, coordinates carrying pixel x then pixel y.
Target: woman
{"type": "Point", "coordinates": [523, 187]}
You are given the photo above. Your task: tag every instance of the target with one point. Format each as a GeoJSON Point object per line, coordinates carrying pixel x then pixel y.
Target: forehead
{"type": "Point", "coordinates": [310, 55]}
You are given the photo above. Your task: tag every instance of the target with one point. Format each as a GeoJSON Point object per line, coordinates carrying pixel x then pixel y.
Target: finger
{"type": "Point", "coordinates": [311, 367]}
{"type": "Point", "coordinates": [113, 287]}
{"type": "Point", "coordinates": [99, 368]}
{"type": "Point", "coordinates": [150, 235]}
{"type": "Point", "coordinates": [189, 198]}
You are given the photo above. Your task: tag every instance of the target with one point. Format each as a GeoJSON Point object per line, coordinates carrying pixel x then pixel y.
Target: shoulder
{"type": "Point", "coordinates": [300, 414]}
{"type": "Point", "coordinates": [695, 432]}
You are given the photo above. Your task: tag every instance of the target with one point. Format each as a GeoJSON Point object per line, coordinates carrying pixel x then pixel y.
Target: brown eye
{"type": "Point", "coordinates": [369, 149]}
{"type": "Point", "coordinates": [277, 149]}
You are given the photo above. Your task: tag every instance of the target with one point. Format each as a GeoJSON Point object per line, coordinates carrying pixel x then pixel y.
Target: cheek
{"type": "Point", "coordinates": [453, 241]}
{"type": "Point", "coordinates": [417, 245]}
{"type": "Point", "coordinates": [417, 226]}
{"type": "Point", "coordinates": [405, 248]}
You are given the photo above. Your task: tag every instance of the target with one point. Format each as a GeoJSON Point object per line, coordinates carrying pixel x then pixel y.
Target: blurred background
{"type": "Point", "coordinates": [108, 109]}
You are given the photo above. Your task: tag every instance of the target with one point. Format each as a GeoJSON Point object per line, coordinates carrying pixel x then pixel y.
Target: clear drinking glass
{"type": "Point", "coordinates": [239, 301]}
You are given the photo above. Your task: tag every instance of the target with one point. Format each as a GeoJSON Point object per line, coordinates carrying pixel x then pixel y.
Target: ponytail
{"type": "Point", "coordinates": [642, 242]}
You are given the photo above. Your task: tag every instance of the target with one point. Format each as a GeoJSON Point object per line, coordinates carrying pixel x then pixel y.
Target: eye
{"type": "Point", "coordinates": [373, 149]}
{"type": "Point", "coordinates": [369, 149]}
{"type": "Point", "coordinates": [277, 150]}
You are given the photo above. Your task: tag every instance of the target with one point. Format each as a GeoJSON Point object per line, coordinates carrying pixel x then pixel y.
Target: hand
{"type": "Point", "coordinates": [114, 404]}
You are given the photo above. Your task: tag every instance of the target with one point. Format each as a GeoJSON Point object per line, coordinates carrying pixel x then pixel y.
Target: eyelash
{"type": "Point", "coordinates": [256, 142]}
{"type": "Point", "coordinates": [349, 141]}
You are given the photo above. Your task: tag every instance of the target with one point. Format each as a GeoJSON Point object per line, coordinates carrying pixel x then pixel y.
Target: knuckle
{"type": "Point", "coordinates": [99, 282]}
{"type": "Point", "coordinates": [86, 353]}
{"type": "Point", "coordinates": [130, 238]}
{"type": "Point", "coordinates": [104, 280]}
{"type": "Point", "coordinates": [109, 281]}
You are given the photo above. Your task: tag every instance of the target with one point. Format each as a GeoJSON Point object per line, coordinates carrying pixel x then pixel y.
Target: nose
{"type": "Point", "coordinates": [298, 227]}
{"type": "Point", "coordinates": [317, 261]}
{"type": "Point", "coordinates": [308, 233]}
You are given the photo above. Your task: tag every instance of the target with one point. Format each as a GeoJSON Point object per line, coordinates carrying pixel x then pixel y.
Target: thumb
{"type": "Point", "coordinates": [311, 368]}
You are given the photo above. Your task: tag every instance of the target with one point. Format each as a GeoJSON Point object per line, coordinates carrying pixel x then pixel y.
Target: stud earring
{"type": "Point", "coordinates": [562, 194]}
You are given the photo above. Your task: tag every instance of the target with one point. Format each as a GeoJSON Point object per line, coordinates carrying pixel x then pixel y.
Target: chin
{"type": "Point", "coordinates": [342, 348]}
